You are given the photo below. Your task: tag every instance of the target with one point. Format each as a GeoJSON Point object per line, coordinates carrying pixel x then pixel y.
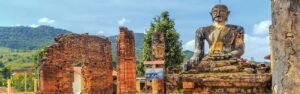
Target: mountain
{"type": "Point", "coordinates": [19, 44]}
{"type": "Point", "coordinates": [188, 54]}
{"type": "Point", "coordinates": [138, 46]}
{"type": "Point", "coordinates": [28, 38]}
{"type": "Point", "coordinates": [22, 42]}
{"type": "Point", "coordinates": [138, 42]}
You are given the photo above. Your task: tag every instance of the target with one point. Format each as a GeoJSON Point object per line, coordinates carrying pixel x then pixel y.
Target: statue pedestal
{"type": "Point", "coordinates": [188, 87]}
{"type": "Point", "coordinates": [216, 83]}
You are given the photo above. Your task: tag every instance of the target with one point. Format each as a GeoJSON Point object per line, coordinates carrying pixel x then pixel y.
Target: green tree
{"type": "Point", "coordinates": [6, 72]}
{"type": "Point", "coordinates": [2, 81]}
{"type": "Point", "coordinates": [1, 64]}
{"type": "Point", "coordinates": [140, 69]}
{"type": "Point", "coordinates": [38, 56]}
{"type": "Point", "coordinates": [173, 47]}
{"type": "Point", "coordinates": [19, 81]}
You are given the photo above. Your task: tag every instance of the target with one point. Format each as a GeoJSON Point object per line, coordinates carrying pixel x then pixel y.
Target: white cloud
{"type": "Point", "coordinates": [100, 32]}
{"type": "Point", "coordinates": [190, 45]}
{"type": "Point", "coordinates": [262, 28]}
{"type": "Point", "coordinates": [123, 21]}
{"type": "Point", "coordinates": [257, 47]}
{"type": "Point", "coordinates": [46, 20]}
{"type": "Point", "coordinates": [16, 25]}
{"type": "Point", "coordinates": [34, 25]}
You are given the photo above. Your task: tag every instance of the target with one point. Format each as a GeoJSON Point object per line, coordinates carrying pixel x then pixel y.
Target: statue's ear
{"type": "Point", "coordinates": [228, 12]}
{"type": "Point", "coordinates": [210, 13]}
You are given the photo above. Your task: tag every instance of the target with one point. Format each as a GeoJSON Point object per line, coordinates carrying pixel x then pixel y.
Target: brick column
{"type": "Point", "coordinates": [126, 65]}
{"type": "Point", "coordinates": [158, 54]}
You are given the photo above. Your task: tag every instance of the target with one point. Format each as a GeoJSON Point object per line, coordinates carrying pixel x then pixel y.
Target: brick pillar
{"type": "Point", "coordinates": [126, 66]}
{"type": "Point", "coordinates": [157, 86]}
{"type": "Point", "coordinates": [158, 54]}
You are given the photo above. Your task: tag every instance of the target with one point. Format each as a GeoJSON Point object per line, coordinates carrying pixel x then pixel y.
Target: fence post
{"type": "Point", "coordinates": [8, 86]}
{"type": "Point", "coordinates": [35, 85]}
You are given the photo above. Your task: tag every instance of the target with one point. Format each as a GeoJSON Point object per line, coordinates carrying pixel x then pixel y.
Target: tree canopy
{"type": "Point", "coordinates": [173, 47]}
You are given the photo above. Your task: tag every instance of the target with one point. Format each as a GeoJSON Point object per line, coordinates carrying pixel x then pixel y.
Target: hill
{"type": "Point", "coordinates": [188, 54]}
{"type": "Point", "coordinates": [28, 38]}
{"type": "Point", "coordinates": [19, 44]}
{"type": "Point", "coordinates": [17, 59]}
{"type": "Point", "coordinates": [138, 46]}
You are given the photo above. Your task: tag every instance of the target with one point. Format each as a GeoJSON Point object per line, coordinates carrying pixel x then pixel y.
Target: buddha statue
{"type": "Point", "coordinates": [226, 42]}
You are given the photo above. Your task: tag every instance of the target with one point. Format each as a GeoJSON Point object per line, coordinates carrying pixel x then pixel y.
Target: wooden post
{"type": "Point", "coordinates": [35, 85]}
{"type": "Point", "coordinates": [8, 86]}
{"type": "Point", "coordinates": [25, 82]}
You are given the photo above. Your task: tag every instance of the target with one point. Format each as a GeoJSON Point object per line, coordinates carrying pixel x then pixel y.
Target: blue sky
{"type": "Point", "coordinates": [105, 16]}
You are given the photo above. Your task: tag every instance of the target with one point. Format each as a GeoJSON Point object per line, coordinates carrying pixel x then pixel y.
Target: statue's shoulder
{"type": "Point", "coordinates": [237, 28]}
{"type": "Point", "coordinates": [204, 29]}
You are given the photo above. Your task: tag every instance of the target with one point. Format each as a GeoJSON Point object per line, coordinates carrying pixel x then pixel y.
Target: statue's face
{"type": "Point", "coordinates": [219, 13]}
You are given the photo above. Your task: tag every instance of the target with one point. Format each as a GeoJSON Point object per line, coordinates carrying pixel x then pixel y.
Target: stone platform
{"type": "Point", "coordinates": [218, 83]}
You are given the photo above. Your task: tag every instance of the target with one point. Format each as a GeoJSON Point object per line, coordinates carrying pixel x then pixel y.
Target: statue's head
{"type": "Point", "coordinates": [219, 13]}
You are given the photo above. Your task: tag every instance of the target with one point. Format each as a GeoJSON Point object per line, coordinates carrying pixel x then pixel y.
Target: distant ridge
{"type": "Point", "coordinates": [28, 38]}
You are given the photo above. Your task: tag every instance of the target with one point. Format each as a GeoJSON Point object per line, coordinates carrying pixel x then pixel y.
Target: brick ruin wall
{"type": "Point", "coordinates": [92, 52]}
{"type": "Point", "coordinates": [126, 62]}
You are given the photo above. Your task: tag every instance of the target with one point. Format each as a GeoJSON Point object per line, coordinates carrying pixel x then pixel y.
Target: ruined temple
{"type": "Point", "coordinates": [126, 62]}
{"type": "Point", "coordinates": [93, 53]}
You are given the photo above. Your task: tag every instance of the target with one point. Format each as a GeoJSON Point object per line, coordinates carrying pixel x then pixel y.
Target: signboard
{"type": "Point", "coordinates": [154, 73]}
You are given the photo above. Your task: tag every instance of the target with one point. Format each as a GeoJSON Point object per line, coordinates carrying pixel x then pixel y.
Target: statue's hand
{"type": "Point", "coordinates": [221, 56]}
{"type": "Point", "coordinates": [194, 60]}
{"type": "Point", "coordinates": [190, 63]}
{"type": "Point", "coordinates": [227, 56]}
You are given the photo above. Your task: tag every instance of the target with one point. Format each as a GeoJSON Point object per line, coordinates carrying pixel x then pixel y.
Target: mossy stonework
{"type": "Point", "coordinates": [285, 46]}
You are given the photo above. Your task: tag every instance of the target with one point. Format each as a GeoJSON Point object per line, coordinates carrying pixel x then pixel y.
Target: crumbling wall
{"type": "Point", "coordinates": [92, 52]}
{"type": "Point", "coordinates": [126, 62]}
{"type": "Point", "coordinates": [285, 37]}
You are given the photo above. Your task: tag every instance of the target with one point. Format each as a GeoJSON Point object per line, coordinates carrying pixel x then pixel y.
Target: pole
{"type": "Point", "coordinates": [25, 82]}
{"type": "Point", "coordinates": [38, 78]}
{"type": "Point", "coordinates": [8, 86]}
{"type": "Point", "coordinates": [35, 85]}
